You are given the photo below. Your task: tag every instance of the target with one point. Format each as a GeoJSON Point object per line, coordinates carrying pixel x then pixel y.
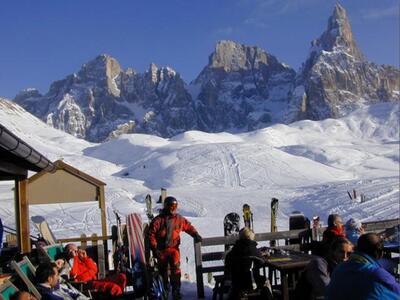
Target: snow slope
{"type": "Point", "coordinates": [308, 165]}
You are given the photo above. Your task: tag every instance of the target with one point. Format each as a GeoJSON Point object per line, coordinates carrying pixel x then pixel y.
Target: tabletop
{"type": "Point", "coordinates": [288, 260]}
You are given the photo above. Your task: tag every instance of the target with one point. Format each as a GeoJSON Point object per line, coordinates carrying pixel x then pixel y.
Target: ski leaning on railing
{"type": "Point", "coordinates": [274, 213]}
{"type": "Point", "coordinates": [231, 225]}
{"type": "Point", "coordinates": [247, 216]}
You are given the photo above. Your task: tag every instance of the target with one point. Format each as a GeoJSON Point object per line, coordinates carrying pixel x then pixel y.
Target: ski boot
{"type": "Point", "coordinates": [176, 286]}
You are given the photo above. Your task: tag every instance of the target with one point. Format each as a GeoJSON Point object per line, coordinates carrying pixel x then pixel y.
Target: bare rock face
{"type": "Point", "coordinates": [336, 78]}
{"type": "Point", "coordinates": [242, 88]}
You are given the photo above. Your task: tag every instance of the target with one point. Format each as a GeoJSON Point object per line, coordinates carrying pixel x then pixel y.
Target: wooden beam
{"type": "Point", "coordinates": [102, 205]}
{"type": "Point", "coordinates": [22, 216]}
{"type": "Point", "coordinates": [85, 239]}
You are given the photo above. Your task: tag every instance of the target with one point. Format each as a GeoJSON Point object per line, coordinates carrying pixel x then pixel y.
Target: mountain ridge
{"type": "Point", "coordinates": [242, 88]}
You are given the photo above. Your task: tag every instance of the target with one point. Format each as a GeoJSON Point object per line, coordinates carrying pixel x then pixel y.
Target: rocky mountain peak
{"type": "Point", "coordinates": [27, 93]}
{"type": "Point", "coordinates": [338, 35]}
{"type": "Point", "coordinates": [153, 70]}
{"type": "Point", "coordinates": [157, 75]}
{"type": "Point", "coordinates": [103, 66]}
{"type": "Point", "coordinates": [241, 88]}
{"type": "Point", "coordinates": [336, 78]}
{"type": "Point", "coordinates": [232, 56]}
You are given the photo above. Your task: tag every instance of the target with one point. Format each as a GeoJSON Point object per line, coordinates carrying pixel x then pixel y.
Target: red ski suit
{"type": "Point", "coordinates": [85, 270]}
{"type": "Point", "coordinates": [164, 237]}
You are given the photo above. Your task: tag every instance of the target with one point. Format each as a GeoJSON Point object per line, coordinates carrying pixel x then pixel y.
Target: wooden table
{"type": "Point", "coordinates": [287, 263]}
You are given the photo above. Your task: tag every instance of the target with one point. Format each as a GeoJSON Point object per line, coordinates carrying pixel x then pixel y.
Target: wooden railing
{"type": "Point", "coordinates": [217, 256]}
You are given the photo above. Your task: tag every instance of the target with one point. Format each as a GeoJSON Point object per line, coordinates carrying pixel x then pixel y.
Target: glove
{"type": "Point", "coordinates": [197, 238]}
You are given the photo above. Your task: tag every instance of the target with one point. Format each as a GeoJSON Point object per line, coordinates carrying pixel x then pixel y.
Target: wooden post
{"type": "Point", "coordinates": [199, 270]}
{"type": "Point", "coordinates": [83, 241]}
{"type": "Point", "coordinates": [102, 205]}
{"type": "Point", "coordinates": [94, 241]}
{"type": "Point", "coordinates": [22, 215]}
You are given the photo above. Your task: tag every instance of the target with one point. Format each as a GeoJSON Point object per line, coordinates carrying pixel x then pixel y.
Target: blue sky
{"type": "Point", "coordinates": [44, 40]}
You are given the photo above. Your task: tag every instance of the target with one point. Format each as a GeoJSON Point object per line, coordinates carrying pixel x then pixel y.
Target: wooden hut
{"type": "Point", "coordinates": [67, 185]}
{"type": "Point", "coordinates": [16, 159]}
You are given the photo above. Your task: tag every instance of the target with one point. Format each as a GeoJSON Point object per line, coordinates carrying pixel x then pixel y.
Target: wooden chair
{"type": "Point", "coordinates": [222, 286]}
{"type": "Point", "coordinates": [7, 289]}
{"type": "Point", "coordinates": [26, 271]}
{"type": "Point", "coordinates": [52, 252]}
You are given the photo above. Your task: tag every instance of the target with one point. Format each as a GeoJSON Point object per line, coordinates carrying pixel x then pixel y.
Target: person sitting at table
{"type": "Point", "coordinates": [83, 269]}
{"type": "Point", "coordinates": [335, 228]}
{"type": "Point", "coordinates": [361, 277]}
{"type": "Point", "coordinates": [316, 275]}
{"type": "Point", "coordinates": [239, 261]}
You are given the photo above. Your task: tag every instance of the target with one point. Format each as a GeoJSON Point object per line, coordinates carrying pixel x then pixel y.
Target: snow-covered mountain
{"type": "Point", "coordinates": [241, 89]}
{"type": "Point", "coordinates": [103, 101]}
{"type": "Point", "coordinates": [308, 165]}
{"type": "Point", "coordinates": [336, 78]}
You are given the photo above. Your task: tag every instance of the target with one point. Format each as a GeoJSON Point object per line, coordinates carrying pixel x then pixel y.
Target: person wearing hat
{"type": "Point", "coordinates": [243, 263]}
{"type": "Point", "coordinates": [353, 230]}
{"type": "Point", "coordinates": [164, 238]}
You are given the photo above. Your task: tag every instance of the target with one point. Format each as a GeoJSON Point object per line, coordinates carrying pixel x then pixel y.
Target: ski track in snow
{"type": "Point", "coordinates": [229, 165]}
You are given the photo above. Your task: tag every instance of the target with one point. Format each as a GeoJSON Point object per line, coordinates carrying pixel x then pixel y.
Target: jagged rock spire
{"type": "Point", "coordinates": [232, 56]}
{"type": "Point", "coordinates": [102, 66]}
{"type": "Point", "coordinates": [338, 35]}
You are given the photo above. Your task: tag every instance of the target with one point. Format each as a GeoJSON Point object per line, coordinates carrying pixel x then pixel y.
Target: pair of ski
{"type": "Point", "coordinates": [131, 257]}
{"type": "Point", "coordinates": [232, 221]}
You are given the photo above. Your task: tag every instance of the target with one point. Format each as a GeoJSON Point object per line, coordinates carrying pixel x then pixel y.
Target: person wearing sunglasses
{"type": "Point", "coordinates": [164, 237]}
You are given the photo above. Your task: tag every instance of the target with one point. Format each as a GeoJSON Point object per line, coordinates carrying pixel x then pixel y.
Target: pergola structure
{"type": "Point", "coordinates": [53, 183]}
{"type": "Point", "coordinates": [16, 159]}
{"type": "Point", "coordinates": [67, 185]}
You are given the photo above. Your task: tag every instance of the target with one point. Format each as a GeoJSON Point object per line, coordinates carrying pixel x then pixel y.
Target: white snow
{"type": "Point", "coordinates": [308, 165]}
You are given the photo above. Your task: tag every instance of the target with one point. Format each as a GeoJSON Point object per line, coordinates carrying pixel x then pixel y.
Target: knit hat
{"type": "Point", "coordinates": [353, 224]}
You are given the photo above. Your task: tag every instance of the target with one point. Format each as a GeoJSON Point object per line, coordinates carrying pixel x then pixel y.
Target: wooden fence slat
{"type": "Point", "coordinates": [94, 239]}
{"type": "Point", "coordinates": [83, 241]}
{"type": "Point", "coordinates": [199, 270]}
{"type": "Point", "coordinates": [78, 239]}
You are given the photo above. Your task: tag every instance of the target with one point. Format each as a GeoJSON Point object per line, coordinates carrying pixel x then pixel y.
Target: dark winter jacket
{"type": "Point", "coordinates": [238, 263]}
{"type": "Point", "coordinates": [318, 275]}
{"type": "Point", "coordinates": [361, 277]}
{"type": "Point", "coordinates": [165, 229]}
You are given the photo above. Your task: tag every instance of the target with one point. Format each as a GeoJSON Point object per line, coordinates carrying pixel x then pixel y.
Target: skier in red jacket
{"type": "Point", "coordinates": [164, 237]}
